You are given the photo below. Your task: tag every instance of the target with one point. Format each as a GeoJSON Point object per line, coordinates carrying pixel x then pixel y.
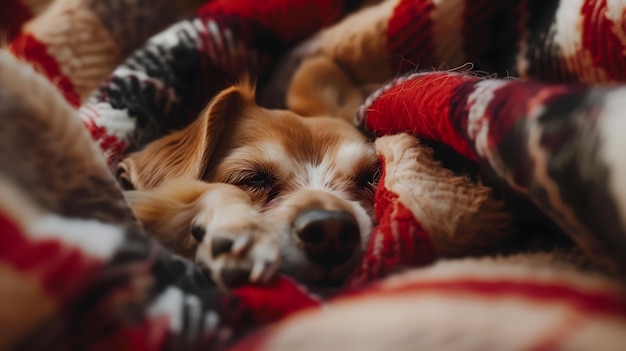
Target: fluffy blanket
{"type": "Point", "coordinates": [77, 273]}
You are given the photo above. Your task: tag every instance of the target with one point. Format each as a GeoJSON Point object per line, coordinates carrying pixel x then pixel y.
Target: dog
{"type": "Point", "coordinates": [248, 191]}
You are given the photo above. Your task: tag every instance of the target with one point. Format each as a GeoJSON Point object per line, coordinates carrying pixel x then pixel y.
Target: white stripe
{"type": "Point", "coordinates": [612, 128]}
{"type": "Point", "coordinates": [194, 306]}
{"type": "Point", "coordinates": [116, 122]}
{"type": "Point", "coordinates": [93, 237]}
{"type": "Point", "coordinates": [170, 38]}
{"type": "Point", "coordinates": [169, 303]}
{"type": "Point", "coordinates": [568, 38]}
{"type": "Point", "coordinates": [478, 125]}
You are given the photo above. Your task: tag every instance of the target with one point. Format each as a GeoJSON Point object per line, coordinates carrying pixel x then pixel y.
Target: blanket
{"type": "Point", "coordinates": [77, 273]}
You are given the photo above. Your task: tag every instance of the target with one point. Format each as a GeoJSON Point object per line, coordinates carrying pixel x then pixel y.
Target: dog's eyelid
{"type": "Point", "coordinates": [254, 177]}
{"type": "Point", "coordinates": [366, 179]}
{"type": "Point", "coordinates": [372, 170]}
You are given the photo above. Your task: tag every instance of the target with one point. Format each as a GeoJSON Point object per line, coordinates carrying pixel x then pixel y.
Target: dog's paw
{"type": "Point", "coordinates": [237, 246]}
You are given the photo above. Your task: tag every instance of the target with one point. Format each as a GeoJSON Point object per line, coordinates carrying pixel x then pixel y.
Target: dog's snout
{"type": "Point", "coordinates": [328, 237]}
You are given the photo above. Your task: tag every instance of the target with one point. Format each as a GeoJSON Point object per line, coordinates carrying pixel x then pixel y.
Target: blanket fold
{"type": "Point", "coordinates": [87, 277]}
{"type": "Point", "coordinates": [555, 143]}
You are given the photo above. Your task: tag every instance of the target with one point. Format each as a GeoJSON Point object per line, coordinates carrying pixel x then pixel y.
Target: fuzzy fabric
{"type": "Point", "coordinates": [86, 278]}
{"type": "Point", "coordinates": [557, 144]}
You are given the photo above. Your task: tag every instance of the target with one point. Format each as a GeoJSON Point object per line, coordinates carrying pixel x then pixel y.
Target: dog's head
{"type": "Point", "coordinates": [314, 178]}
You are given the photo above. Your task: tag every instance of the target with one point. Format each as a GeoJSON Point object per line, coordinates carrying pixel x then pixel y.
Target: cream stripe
{"type": "Point", "coordinates": [74, 36]}
{"type": "Point", "coordinates": [453, 210]}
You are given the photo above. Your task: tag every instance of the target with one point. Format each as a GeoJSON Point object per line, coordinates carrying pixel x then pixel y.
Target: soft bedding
{"type": "Point", "coordinates": [77, 273]}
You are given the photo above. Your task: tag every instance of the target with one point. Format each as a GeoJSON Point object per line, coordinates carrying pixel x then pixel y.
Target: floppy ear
{"type": "Point", "coordinates": [320, 87]}
{"type": "Point", "coordinates": [186, 153]}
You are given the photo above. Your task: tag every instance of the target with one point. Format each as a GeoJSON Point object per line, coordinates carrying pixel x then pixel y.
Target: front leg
{"type": "Point", "coordinates": [215, 224]}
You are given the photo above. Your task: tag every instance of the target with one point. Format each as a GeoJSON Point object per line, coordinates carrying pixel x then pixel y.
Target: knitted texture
{"type": "Point", "coordinates": [85, 60]}
{"type": "Point", "coordinates": [559, 145]}
{"type": "Point", "coordinates": [429, 309]}
{"type": "Point", "coordinates": [554, 41]}
{"type": "Point", "coordinates": [168, 82]}
{"type": "Point", "coordinates": [74, 257]}
{"type": "Point", "coordinates": [14, 13]}
{"type": "Point", "coordinates": [542, 139]}
{"type": "Point", "coordinates": [424, 211]}
{"type": "Point", "coordinates": [572, 40]}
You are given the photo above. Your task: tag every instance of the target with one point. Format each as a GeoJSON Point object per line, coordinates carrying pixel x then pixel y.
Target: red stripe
{"type": "Point", "coordinates": [607, 50]}
{"type": "Point", "coordinates": [271, 302]}
{"type": "Point", "coordinates": [62, 270]}
{"type": "Point", "coordinates": [13, 13]}
{"type": "Point", "coordinates": [476, 27]}
{"type": "Point", "coordinates": [110, 145]}
{"type": "Point", "coordinates": [290, 20]}
{"type": "Point", "coordinates": [404, 242]}
{"type": "Point", "coordinates": [585, 300]}
{"type": "Point", "coordinates": [30, 49]}
{"type": "Point", "coordinates": [516, 101]}
{"type": "Point", "coordinates": [410, 34]}
{"type": "Point", "coordinates": [421, 106]}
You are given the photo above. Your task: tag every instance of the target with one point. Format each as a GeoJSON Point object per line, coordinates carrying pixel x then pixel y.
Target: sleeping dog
{"type": "Point", "coordinates": [248, 191]}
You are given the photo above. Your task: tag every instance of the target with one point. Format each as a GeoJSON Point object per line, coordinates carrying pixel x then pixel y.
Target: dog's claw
{"type": "Point", "coordinates": [269, 271]}
{"type": "Point", "coordinates": [257, 271]}
{"type": "Point", "coordinates": [241, 244]}
{"type": "Point", "coordinates": [239, 251]}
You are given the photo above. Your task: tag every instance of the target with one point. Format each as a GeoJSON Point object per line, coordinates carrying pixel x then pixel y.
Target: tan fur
{"type": "Point", "coordinates": [357, 45]}
{"type": "Point", "coordinates": [342, 65]}
{"type": "Point", "coordinates": [202, 176]}
{"type": "Point", "coordinates": [321, 87]}
{"type": "Point", "coordinates": [169, 211]}
{"type": "Point", "coordinates": [185, 153]}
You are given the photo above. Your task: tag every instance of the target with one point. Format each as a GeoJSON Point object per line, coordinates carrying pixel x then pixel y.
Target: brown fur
{"type": "Point", "coordinates": [320, 87]}
{"type": "Point", "coordinates": [47, 151]}
{"type": "Point", "coordinates": [338, 68]}
{"type": "Point", "coordinates": [204, 175]}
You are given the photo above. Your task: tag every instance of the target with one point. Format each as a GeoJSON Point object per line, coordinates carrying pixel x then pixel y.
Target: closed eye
{"type": "Point", "coordinates": [257, 180]}
{"type": "Point", "coordinates": [367, 179]}
{"type": "Point", "coordinates": [260, 183]}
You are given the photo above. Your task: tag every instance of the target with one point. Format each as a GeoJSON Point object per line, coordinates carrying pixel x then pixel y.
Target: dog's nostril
{"type": "Point", "coordinates": [328, 237]}
{"type": "Point", "coordinates": [349, 233]}
{"type": "Point", "coordinates": [312, 234]}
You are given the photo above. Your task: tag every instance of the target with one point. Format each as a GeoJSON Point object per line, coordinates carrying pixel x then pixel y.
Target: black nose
{"type": "Point", "coordinates": [328, 237]}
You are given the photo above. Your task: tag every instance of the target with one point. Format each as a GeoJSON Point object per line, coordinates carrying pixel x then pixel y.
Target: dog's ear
{"type": "Point", "coordinates": [186, 153]}
{"type": "Point", "coordinates": [320, 87]}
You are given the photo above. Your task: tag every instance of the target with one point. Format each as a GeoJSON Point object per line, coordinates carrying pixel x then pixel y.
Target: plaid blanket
{"type": "Point", "coordinates": [77, 273]}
